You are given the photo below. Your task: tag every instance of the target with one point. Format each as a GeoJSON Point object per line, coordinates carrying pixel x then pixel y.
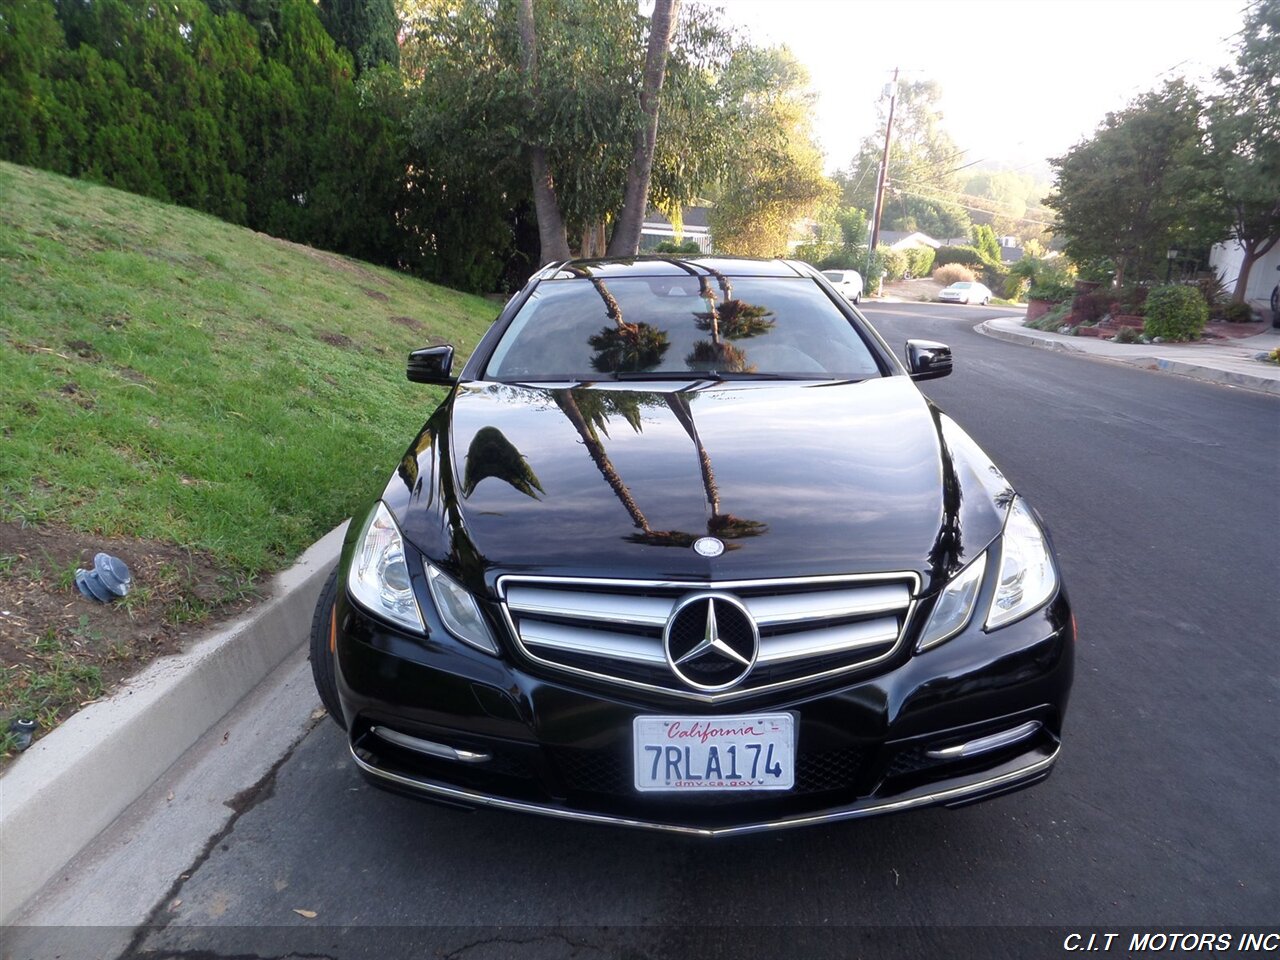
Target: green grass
{"type": "Point", "coordinates": [1052, 320]}
{"type": "Point", "coordinates": [166, 375]}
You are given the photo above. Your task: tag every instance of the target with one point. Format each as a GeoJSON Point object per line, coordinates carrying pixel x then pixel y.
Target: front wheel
{"type": "Point", "coordinates": [984, 301]}
{"type": "Point", "coordinates": [1275, 306]}
{"type": "Point", "coordinates": [323, 652]}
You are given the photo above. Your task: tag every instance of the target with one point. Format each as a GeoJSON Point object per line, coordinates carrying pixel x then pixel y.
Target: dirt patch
{"type": "Point", "coordinates": [409, 322]}
{"type": "Point", "coordinates": [1222, 330]}
{"type": "Point", "coordinates": [923, 289]}
{"type": "Point", "coordinates": [374, 294]}
{"type": "Point", "coordinates": [84, 350]}
{"type": "Point", "coordinates": [59, 650]}
{"type": "Point", "coordinates": [336, 340]}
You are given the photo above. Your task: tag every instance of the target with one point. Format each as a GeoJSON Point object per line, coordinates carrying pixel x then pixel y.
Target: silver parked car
{"type": "Point", "coordinates": [848, 283]}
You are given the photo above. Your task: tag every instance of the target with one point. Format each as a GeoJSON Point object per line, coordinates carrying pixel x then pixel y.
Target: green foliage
{"type": "Point", "coordinates": [1052, 320]}
{"type": "Point", "coordinates": [920, 260]}
{"type": "Point", "coordinates": [893, 263]}
{"type": "Point", "coordinates": [368, 29]}
{"type": "Point", "coordinates": [240, 108]}
{"type": "Point", "coordinates": [1175, 312]}
{"type": "Point", "coordinates": [984, 240]}
{"type": "Point", "coordinates": [779, 179]}
{"type": "Point", "coordinates": [1141, 185]}
{"type": "Point", "coordinates": [1127, 335]}
{"type": "Point", "coordinates": [966, 256]}
{"type": "Point", "coordinates": [1244, 138]}
{"type": "Point", "coordinates": [1237, 313]}
{"type": "Point", "coordinates": [686, 247]}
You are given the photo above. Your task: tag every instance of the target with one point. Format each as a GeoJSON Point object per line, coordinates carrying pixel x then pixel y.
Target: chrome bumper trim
{"type": "Point", "coordinates": [854, 811]}
{"type": "Point", "coordinates": [429, 747]}
{"type": "Point", "coordinates": [982, 745]}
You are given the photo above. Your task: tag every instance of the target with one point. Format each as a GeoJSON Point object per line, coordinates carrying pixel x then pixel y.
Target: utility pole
{"type": "Point", "coordinates": [878, 209]}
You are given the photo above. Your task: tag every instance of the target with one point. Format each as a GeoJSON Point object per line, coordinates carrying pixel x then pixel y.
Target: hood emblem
{"type": "Point", "coordinates": [711, 641]}
{"type": "Point", "coordinates": [708, 546]}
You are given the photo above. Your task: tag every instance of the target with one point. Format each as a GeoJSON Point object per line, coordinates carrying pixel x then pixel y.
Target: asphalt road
{"type": "Point", "coordinates": [1162, 495]}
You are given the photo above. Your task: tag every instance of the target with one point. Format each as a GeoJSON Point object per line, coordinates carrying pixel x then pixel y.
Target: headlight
{"type": "Point", "coordinates": [1027, 574]}
{"type": "Point", "coordinates": [459, 611]}
{"type": "Point", "coordinates": [954, 607]}
{"type": "Point", "coordinates": [379, 576]}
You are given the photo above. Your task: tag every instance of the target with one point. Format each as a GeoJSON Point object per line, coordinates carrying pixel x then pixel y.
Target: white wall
{"type": "Point", "coordinates": [1225, 258]}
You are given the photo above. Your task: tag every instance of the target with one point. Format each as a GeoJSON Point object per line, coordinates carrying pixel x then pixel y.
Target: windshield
{"type": "Point", "coordinates": [835, 276]}
{"type": "Point", "coordinates": [594, 329]}
{"type": "Point", "coordinates": [962, 286]}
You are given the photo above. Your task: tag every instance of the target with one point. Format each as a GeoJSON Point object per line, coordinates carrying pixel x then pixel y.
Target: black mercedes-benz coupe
{"type": "Point", "coordinates": [685, 548]}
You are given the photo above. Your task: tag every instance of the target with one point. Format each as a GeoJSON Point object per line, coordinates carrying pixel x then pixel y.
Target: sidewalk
{"type": "Point", "coordinates": [1232, 363]}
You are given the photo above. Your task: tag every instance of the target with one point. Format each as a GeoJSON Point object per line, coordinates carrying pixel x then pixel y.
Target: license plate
{"type": "Point", "coordinates": [689, 754]}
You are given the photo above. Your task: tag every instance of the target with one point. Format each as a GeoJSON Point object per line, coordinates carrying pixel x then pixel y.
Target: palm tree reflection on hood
{"type": "Point", "coordinates": [730, 320]}
{"type": "Point", "coordinates": [491, 454]}
{"type": "Point", "coordinates": [639, 346]}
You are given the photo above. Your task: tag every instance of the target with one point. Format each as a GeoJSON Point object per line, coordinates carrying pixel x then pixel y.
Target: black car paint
{"type": "Point", "coordinates": [810, 478]}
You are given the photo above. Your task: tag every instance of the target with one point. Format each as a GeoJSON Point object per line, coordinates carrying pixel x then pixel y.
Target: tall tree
{"type": "Point", "coordinates": [369, 29]}
{"type": "Point", "coordinates": [922, 178]}
{"type": "Point", "coordinates": [625, 241]}
{"type": "Point", "coordinates": [1141, 185]}
{"type": "Point", "coordinates": [551, 229]}
{"type": "Point", "coordinates": [774, 176]}
{"type": "Point", "coordinates": [1244, 136]}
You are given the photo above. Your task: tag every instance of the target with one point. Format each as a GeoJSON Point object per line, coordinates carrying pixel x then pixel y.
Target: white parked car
{"type": "Point", "coordinates": [848, 283]}
{"type": "Point", "coordinates": [966, 293]}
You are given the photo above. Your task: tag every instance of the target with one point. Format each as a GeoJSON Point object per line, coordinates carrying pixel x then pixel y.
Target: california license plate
{"type": "Point", "coordinates": [688, 754]}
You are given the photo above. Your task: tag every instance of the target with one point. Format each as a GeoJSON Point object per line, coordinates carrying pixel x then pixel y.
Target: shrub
{"type": "Point", "coordinates": [1237, 313]}
{"type": "Point", "coordinates": [1127, 335]}
{"type": "Point", "coordinates": [953, 273]}
{"type": "Point", "coordinates": [670, 246]}
{"type": "Point", "coordinates": [1175, 312]}
{"type": "Point", "coordinates": [1130, 299]}
{"type": "Point", "coordinates": [1052, 289]}
{"type": "Point", "coordinates": [1052, 320]}
{"type": "Point", "coordinates": [1015, 286]}
{"type": "Point", "coordinates": [893, 262]}
{"type": "Point", "coordinates": [919, 260]}
{"type": "Point", "coordinates": [968, 256]}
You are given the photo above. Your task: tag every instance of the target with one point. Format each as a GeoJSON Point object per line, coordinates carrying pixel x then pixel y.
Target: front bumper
{"type": "Point", "coordinates": [562, 748]}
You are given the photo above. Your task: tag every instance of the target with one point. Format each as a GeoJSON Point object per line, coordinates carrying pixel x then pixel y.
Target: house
{"type": "Point", "coordinates": [658, 229]}
{"type": "Point", "coordinates": [902, 240]}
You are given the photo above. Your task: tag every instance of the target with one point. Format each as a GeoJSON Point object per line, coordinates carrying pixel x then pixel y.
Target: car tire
{"type": "Point", "coordinates": [322, 656]}
{"type": "Point", "coordinates": [857, 299]}
{"type": "Point", "coordinates": [984, 301]}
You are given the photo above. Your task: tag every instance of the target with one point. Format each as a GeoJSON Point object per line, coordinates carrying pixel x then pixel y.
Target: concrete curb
{"type": "Point", "coordinates": [71, 784]}
{"type": "Point", "coordinates": [1183, 368]}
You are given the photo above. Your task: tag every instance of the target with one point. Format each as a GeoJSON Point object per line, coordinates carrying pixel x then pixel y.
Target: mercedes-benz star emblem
{"type": "Point", "coordinates": [711, 641]}
{"type": "Point", "coordinates": [708, 546]}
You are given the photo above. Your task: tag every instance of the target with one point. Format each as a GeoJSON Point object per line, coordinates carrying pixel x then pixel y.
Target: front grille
{"type": "Point", "coordinates": [609, 773]}
{"type": "Point", "coordinates": [612, 630]}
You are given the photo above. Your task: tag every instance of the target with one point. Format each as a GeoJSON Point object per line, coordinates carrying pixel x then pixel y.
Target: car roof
{"type": "Point", "coordinates": [667, 266]}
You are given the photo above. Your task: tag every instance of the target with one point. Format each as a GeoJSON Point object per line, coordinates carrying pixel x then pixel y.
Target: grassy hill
{"type": "Point", "coordinates": [167, 375]}
{"type": "Point", "coordinates": [196, 397]}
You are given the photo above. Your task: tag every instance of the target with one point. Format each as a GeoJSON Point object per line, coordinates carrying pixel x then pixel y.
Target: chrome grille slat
{"type": "Point", "coordinates": [611, 630]}
{"type": "Point", "coordinates": [826, 641]}
{"type": "Point", "coordinates": [580, 605]}
{"type": "Point", "coordinates": [601, 643]}
{"type": "Point", "coordinates": [827, 604]}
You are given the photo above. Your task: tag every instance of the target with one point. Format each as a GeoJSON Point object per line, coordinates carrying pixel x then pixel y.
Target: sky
{"type": "Point", "coordinates": [1022, 80]}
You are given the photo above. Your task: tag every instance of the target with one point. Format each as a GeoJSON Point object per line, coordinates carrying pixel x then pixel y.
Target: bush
{"type": "Point", "coordinates": [953, 273]}
{"type": "Point", "coordinates": [1175, 312]}
{"type": "Point", "coordinates": [1237, 313]}
{"type": "Point", "coordinates": [968, 256]}
{"type": "Point", "coordinates": [893, 262]}
{"type": "Point", "coordinates": [670, 246]}
{"type": "Point", "coordinates": [1127, 335]}
{"type": "Point", "coordinates": [1092, 307]}
{"type": "Point", "coordinates": [1130, 299]}
{"type": "Point", "coordinates": [919, 260]}
{"type": "Point", "coordinates": [1052, 320]}
{"type": "Point", "coordinates": [1052, 289]}
{"type": "Point", "coordinates": [1015, 286]}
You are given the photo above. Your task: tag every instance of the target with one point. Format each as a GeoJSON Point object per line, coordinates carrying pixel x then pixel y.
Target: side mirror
{"type": "Point", "coordinates": [927, 360]}
{"type": "Point", "coordinates": [432, 365]}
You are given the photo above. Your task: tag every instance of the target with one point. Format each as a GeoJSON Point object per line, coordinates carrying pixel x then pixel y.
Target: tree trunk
{"type": "Point", "coordinates": [1251, 252]}
{"type": "Point", "coordinates": [593, 244]}
{"type": "Point", "coordinates": [626, 234]}
{"type": "Point", "coordinates": [553, 239]}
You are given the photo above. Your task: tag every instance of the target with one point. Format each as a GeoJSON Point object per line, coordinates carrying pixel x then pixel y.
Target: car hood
{"type": "Point", "coordinates": [612, 480]}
